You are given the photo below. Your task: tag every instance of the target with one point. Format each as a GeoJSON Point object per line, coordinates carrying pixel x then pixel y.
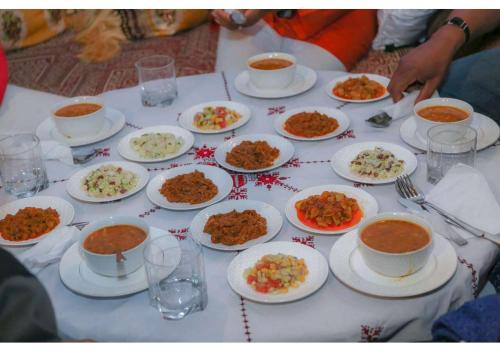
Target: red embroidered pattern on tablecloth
{"type": "Point", "coordinates": [346, 134]}
{"type": "Point", "coordinates": [294, 162]}
{"type": "Point", "coordinates": [148, 212]}
{"type": "Point", "coordinates": [238, 193]}
{"type": "Point", "coordinates": [274, 179]}
{"type": "Point", "coordinates": [369, 334]}
{"type": "Point", "coordinates": [361, 184]}
{"type": "Point", "coordinates": [308, 241]}
{"type": "Point", "coordinates": [226, 88]}
{"type": "Point", "coordinates": [133, 125]}
{"type": "Point", "coordinates": [474, 278]}
{"type": "Point", "coordinates": [102, 151]}
{"type": "Point", "coordinates": [203, 152]}
{"type": "Point", "coordinates": [246, 323]}
{"type": "Point", "coordinates": [273, 110]}
{"type": "Point", "coordinates": [170, 166]}
{"type": "Point", "coordinates": [180, 234]}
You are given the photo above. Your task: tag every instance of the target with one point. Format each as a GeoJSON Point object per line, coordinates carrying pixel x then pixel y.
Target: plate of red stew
{"type": "Point", "coordinates": [358, 88]}
{"type": "Point", "coordinates": [330, 209]}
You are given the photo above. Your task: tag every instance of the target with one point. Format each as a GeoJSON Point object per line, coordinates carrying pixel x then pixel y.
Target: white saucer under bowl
{"type": "Point", "coordinates": [377, 78]}
{"type": "Point", "coordinates": [113, 124]}
{"type": "Point", "coordinates": [64, 209]}
{"type": "Point", "coordinates": [487, 129]}
{"type": "Point", "coordinates": [303, 81]}
{"type": "Point", "coordinates": [342, 119]}
{"type": "Point", "coordinates": [78, 277]}
{"type": "Point", "coordinates": [349, 267]}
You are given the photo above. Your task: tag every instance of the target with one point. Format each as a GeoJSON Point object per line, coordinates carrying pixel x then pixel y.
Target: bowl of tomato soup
{"type": "Point", "coordinates": [271, 70]}
{"type": "Point", "coordinates": [438, 111]}
{"type": "Point", "coordinates": [79, 117]}
{"type": "Point", "coordinates": [114, 246]}
{"type": "Point", "coordinates": [395, 244]}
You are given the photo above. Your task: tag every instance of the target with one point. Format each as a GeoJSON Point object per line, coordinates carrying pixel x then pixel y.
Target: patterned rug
{"type": "Point", "coordinates": [380, 62]}
{"type": "Point", "coordinates": [54, 67]}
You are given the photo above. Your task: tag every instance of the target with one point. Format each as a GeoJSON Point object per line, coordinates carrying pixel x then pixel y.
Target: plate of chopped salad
{"type": "Point", "coordinates": [215, 117]}
{"type": "Point", "coordinates": [108, 181]}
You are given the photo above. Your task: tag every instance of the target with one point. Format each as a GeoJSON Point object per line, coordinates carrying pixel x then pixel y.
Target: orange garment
{"type": "Point", "coordinates": [347, 34]}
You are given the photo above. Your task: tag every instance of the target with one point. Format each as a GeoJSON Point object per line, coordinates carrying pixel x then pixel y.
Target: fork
{"type": "Point", "coordinates": [79, 225]}
{"type": "Point", "coordinates": [411, 192]}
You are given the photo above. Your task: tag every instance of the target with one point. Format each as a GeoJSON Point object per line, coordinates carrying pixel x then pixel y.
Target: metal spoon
{"type": "Point", "coordinates": [380, 120]}
{"type": "Point", "coordinates": [84, 157]}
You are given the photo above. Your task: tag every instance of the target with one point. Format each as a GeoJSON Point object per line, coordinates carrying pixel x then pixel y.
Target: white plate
{"type": "Point", "coordinates": [218, 176]}
{"type": "Point", "coordinates": [186, 119]}
{"type": "Point", "coordinates": [349, 267]}
{"type": "Point", "coordinates": [366, 202]}
{"type": "Point", "coordinates": [342, 159]}
{"type": "Point", "coordinates": [128, 153]}
{"type": "Point", "coordinates": [114, 122]}
{"type": "Point", "coordinates": [267, 211]}
{"type": "Point", "coordinates": [341, 118]}
{"type": "Point", "coordinates": [316, 264]}
{"type": "Point", "coordinates": [285, 147]}
{"type": "Point", "coordinates": [303, 81]}
{"type": "Point", "coordinates": [74, 184]}
{"type": "Point", "coordinates": [487, 132]}
{"type": "Point", "coordinates": [377, 78]}
{"type": "Point", "coordinates": [64, 209]}
{"type": "Point", "coordinates": [77, 276]}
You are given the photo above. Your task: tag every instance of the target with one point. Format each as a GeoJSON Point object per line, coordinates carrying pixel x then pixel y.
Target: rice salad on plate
{"type": "Point", "coordinates": [377, 163]}
{"type": "Point", "coordinates": [109, 181]}
{"type": "Point", "coordinates": [156, 145]}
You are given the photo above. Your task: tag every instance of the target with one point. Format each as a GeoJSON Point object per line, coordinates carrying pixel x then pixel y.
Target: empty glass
{"type": "Point", "coordinates": [448, 145]}
{"type": "Point", "coordinates": [157, 80]}
{"type": "Point", "coordinates": [176, 276]}
{"type": "Point", "coordinates": [22, 169]}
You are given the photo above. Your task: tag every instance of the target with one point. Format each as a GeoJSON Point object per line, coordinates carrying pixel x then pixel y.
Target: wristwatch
{"type": "Point", "coordinates": [237, 17]}
{"type": "Point", "coordinates": [460, 23]}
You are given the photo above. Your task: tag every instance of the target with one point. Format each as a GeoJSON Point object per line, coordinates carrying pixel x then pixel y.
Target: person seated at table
{"type": "Point", "coordinates": [474, 79]}
{"type": "Point", "coordinates": [26, 314]}
{"type": "Point", "coordinates": [321, 39]}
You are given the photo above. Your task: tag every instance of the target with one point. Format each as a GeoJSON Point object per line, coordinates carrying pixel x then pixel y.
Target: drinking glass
{"type": "Point", "coordinates": [448, 145]}
{"type": "Point", "coordinates": [22, 169]}
{"type": "Point", "coordinates": [157, 80]}
{"type": "Point", "coordinates": [176, 276]}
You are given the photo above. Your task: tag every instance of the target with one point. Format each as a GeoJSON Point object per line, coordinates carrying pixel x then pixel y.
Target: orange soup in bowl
{"type": "Point", "coordinates": [271, 64]}
{"type": "Point", "coordinates": [395, 236]}
{"type": "Point", "coordinates": [443, 113]}
{"type": "Point", "coordinates": [77, 110]}
{"type": "Point", "coordinates": [113, 239]}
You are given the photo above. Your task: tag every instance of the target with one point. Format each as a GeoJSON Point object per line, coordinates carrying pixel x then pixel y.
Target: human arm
{"type": "Point", "coordinates": [252, 17]}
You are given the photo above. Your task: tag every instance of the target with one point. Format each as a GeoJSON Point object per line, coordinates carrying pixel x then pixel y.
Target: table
{"type": "Point", "coordinates": [334, 313]}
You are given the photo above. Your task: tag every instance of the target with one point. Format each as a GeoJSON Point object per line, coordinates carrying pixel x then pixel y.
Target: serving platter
{"type": "Point", "coordinates": [349, 267]}
{"type": "Point", "coordinates": [285, 147]}
{"type": "Point", "coordinates": [267, 211]}
{"type": "Point", "coordinates": [186, 119]}
{"type": "Point", "coordinates": [64, 209]}
{"type": "Point", "coordinates": [74, 184]}
{"type": "Point", "coordinates": [366, 202]}
{"type": "Point", "coordinates": [314, 260]}
{"type": "Point", "coordinates": [218, 176]}
{"type": "Point", "coordinates": [128, 153]}
{"type": "Point", "coordinates": [341, 160]}
{"type": "Point", "coordinates": [377, 78]}
{"type": "Point", "coordinates": [342, 119]}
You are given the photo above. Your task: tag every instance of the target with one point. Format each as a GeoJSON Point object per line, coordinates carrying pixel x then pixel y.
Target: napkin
{"type": "Point", "coordinates": [50, 249]}
{"type": "Point", "coordinates": [465, 193]}
{"type": "Point", "coordinates": [405, 106]}
{"type": "Point", "coordinates": [53, 150]}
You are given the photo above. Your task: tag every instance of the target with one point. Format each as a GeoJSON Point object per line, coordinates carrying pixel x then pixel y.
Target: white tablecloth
{"type": "Point", "coordinates": [334, 313]}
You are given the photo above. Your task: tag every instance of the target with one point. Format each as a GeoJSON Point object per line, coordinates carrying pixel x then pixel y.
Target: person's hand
{"type": "Point", "coordinates": [224, 19]}
{"type": "Point", "coordinates": [427, 64]}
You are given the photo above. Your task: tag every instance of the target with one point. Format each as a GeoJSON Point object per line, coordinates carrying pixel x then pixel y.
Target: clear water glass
{"type": "Point", "coordinates": [176, 276]}
{"type": "Point", "coordinates": [448, 145]}
{"type": "Point", "coordinates": [22, 169]}
{"type": "Point", "coordinates": [157, 80]}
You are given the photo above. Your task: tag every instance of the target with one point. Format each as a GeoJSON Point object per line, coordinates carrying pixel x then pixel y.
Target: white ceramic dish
{"type": "Point", "coordinates": [341, 118]}
{"type": "Point", "coordinates": [341, 160]}
{"type": "Point", "coordinates": [128, 153]}
{"type": "Point", "coordinates": [487, 129]}
{"type": "Point", "coordinates": [316, 264]}
{"type": "Point", "coordinates": [377, 78]}
{"type": "Point", "coordinates": [349, 267]}
{"type": "Point", "coordinates": [272, 79]}
{"type": "Point", "coordinates": [305, 78]}
{"type": "Point", "coordinates": [267, 211]}
{"type": "Point", "coordinates": [74, 184]}
{"type": "Point", "coordinates": [106, 264]}
{"type": "Point", "coordinates": [285, 147]}
{"type": "Point", "coordinates": [367, 203]}
{"type": "Point", "coordinates": [218, 176]}
{"type": "Point", "coordinates": [83, 125]}
{"type": "Point", "coordinates": [113, 123]}
{"type": "Point", "coordinates": [76, 275]}
{"type": "Point", "coordinates": [64, 209]}
{"type": "Point", "coordinates": [186, 120]}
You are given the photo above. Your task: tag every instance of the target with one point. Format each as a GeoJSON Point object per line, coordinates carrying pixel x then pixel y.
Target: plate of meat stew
{"type": "Point", "coordinates": [358, 88]}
